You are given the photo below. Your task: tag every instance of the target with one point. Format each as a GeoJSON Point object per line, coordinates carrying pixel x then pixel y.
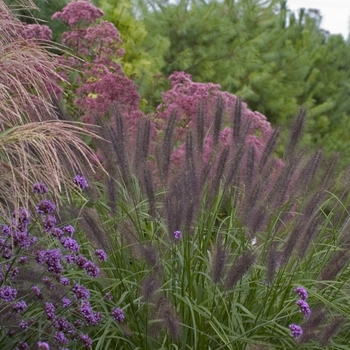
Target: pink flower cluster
{"type": "Point", "coordinates": [103, 82]}
{"type": "Point", "coordinates": [185, 98]}
{"type": "Point", "coordinates": [36, 31]}
{"type": "Point", "coordinates": [78, 12]}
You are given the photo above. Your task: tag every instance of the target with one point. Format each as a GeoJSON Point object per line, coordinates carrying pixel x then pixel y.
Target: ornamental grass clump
{"type": "Point", "coordinates": [34, 145]}
{"type": "Point", "coordinates": [249, 238]}
{"type": "Point", "coordinates": [45, 297]}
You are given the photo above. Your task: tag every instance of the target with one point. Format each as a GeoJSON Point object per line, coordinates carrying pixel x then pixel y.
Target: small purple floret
{"type": "Point", "coordinates": [177, 235]}
{"type": "Point", "coordinates": [66, 302]}
{"type": "Point", "coordinates": [65, 281]}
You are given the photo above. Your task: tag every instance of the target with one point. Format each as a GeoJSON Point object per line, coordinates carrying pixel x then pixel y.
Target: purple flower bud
{"type": "Point", "coordinates": [20, 306]}
{"type": "Point", "coordinates": [69, 230]}
{"type": "Point", "coordinates": [86, 340]}
{"type": "Point", "coordinates": [22, 346]}
{"type": "Point", "coordinates": [65, 281]}
{"type": "Point", "coordinates": [302, 293]}
{"type": "Point", "coordinates": [36, 290]}
{"type": "Point", "coordinates": [39, 188]}
{"type": "Point", "coordinates": [6, 231]}
{"type": "Point", "coordinates": [296, 331]}
{"type": "Point", "coordinates": [49, 222]}
{"type": "Point", "coordinates": [66, 302]}
{"type": "Point", "coordinates": [118, 315]}
{"type": "Point", "coordinates": [177, 235]}
{"type": "Point", "coordinates": [43, 346]}
{"type": "Point", "coordinates": [108, 296]}
{"type": "Point", "coordinates": [22, 260]}
{"type": "Point", "coordinates": [57, 232]}
{"type": "Point", "coordinates": [101, 254]}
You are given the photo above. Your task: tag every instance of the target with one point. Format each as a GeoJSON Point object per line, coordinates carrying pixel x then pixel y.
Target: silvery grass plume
{"type": "Point", "coordinates": [34, 145]}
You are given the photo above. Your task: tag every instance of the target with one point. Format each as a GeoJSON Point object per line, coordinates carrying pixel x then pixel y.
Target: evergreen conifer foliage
{"type": "Point", "coordinates": [269, 57]}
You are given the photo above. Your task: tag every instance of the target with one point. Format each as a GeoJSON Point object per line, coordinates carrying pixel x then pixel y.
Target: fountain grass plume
{"type": "Point", "coordinates": [296, 133]}
{"type": "Point", "coordinates": [218, 120]}
{"type": "Point", "coordinates": [239, 268]}
{"type": "Point", "coordinates": [167, 147]}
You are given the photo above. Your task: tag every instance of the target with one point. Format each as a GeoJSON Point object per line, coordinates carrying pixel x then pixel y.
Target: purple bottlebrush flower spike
{"type": "Point", "coordinates": [304, 308]}
{"type": "Point", "coordinates": [302, 293]}
{"type": "Point", "coordinates": [296, 331]}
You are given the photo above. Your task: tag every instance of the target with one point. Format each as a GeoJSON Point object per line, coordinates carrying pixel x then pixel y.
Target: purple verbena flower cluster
{"type": "Point", "coordinates": [304, 308]}
{"type": "Point", "coordinates": [118, 315]}
{"type": "Point", "coordinates": [8, 294]}
{"type": "Point", "coordinates": [20, 306]}
{"type": "Point", "coordinates": [50, 311]}
{"type": "Point", "coordinates": [296, 331]}
{"type": "Point", "coordinates": [52, 258]}
{"type": "Point", "coordinates": [45, 207]}
{"type": "Point", "coordinates": [70, 244]}
{"type": "Point", "coordinates": [101, 254]}
{"type": "Point", "coordinates": [80, 181]}
{"type": "Point", "coordinates": [40, 188]}
{"type": "Point", "coordinates": [80, 292]}
{"type": "Point", "coordinates": [302, 293]}
{"type": "Point", "coordinates": [91, 317]}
